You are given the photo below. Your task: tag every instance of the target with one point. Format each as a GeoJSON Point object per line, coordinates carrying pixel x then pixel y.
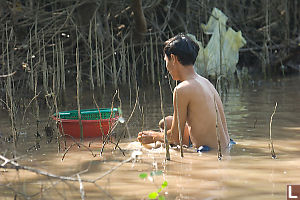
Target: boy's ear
{"type": "Point", "coordinates": [173, 58]}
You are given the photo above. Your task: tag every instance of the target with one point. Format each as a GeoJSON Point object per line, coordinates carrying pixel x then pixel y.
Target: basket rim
{"type": "Point", "coordinates": [86, 111]}
{"type": "Point", "coordinates": [85, 120]}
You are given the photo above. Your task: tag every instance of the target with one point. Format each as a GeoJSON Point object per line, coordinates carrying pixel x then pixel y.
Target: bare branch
{"type": "Point", "coordinates": [81, 187]}
{"type": "Point", "coordinates": [7, 75]}
{"type": "Point", "coordinates": [14, 165]}
{"type": "Point", "coordinates": [271, 141]}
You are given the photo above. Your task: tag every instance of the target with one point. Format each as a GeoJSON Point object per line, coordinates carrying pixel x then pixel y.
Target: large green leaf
{"type": "Point", "coordinates": [164, 184]}
{"type": "Point", "coordinates": [153, 195]}
{"type": "Point", "coordinates": [161, 198]}
{"type": "Point", "coordinates": [143, 175]}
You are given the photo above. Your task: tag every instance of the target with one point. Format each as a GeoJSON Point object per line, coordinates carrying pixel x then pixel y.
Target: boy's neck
{"type": "Point", "coordinates": [187, 73]}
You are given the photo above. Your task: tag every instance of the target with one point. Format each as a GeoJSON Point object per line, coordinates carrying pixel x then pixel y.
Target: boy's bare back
{"type": "Point", "coordinates": [202, 101]}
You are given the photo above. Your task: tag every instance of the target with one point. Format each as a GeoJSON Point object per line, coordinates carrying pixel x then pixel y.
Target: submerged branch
{"type": "Point", "coordinates": [16, 166]}
{"type": "Point", "coordinates": [82, 193]}
{"type": "Point", "coordinates": [10, 164]}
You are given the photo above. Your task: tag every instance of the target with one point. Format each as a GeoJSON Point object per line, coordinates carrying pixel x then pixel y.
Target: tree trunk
{"type": "Point", "coordinates": [139, 19]}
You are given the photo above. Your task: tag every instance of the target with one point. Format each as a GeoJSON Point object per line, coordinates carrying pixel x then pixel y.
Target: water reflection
{"type": "Point", "coordinates": [248, 172]}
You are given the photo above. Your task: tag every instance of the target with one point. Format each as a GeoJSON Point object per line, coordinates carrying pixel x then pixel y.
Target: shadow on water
{"type": "Point", "coordinates": [248, 172]}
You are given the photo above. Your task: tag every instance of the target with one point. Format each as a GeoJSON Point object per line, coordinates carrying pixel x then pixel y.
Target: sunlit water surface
{"type": "Point", "coordinates": [247, 172]}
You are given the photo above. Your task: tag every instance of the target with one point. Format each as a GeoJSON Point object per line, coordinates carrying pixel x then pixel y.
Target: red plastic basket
{"type": "Point", "coordinates": [68, 122]}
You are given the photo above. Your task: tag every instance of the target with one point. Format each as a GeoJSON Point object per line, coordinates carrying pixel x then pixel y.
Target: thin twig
{"type": "Point", "coordinates": [178, 121]}
{"type": "Point", "coordinates": [143, 119]}
{"type": "Point", "coordinates": [111, 128]}
{"type": "Point", "coordinates": [121, 119]}
{"type": "Point", "coordinates": [254, 125]}
{"type": "Point", "coordinates": [108, 136]}
{"type": "Point", "coordinates": [29, 105]}
{"type": "Point", "coordinates": [130, 116]}
{"type": "Point", "coordinates": [217, 131]}
{"type": "Point", "coordinates": [79, 144]}
{"type": "Point", "coordinates": [117, 146]}
{"type": "Point", "coordinates": [165, 124]}
{"type": "Point", "coordinates": [82, 194]}
{"type": "Point", "coordinates": [100, 125]}
{"type": "Point", "coordinates": [7, 75]}
{"type": "Point", "coordinates": [111, 111]}
{"type": "Point", "coordinates": [271, 141]}
{"type": "Point", "coordinates": [78, 80]}
{"type": "Point", "coordinates": [67, 150]}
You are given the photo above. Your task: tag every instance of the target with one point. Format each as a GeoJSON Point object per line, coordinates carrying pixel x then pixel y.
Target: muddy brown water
{"type": "Point", "coordinates": [246, 172]}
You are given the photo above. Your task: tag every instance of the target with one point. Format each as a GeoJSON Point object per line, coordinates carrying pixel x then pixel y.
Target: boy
{"type": "Point", "coordinates": [196, 99]}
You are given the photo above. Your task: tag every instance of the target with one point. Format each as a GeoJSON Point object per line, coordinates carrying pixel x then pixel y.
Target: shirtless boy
{"type": "Point", "coordinates": [196, 98]}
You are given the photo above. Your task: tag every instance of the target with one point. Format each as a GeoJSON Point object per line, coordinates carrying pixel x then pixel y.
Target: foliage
{"type": "Point", "coordinates": [221, 54]}
{"type": "Point", "coordinates": [155, 194]}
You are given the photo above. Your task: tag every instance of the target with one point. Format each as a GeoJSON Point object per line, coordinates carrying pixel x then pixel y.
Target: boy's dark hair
{"type": "Point", "coordinates": [183, 47]}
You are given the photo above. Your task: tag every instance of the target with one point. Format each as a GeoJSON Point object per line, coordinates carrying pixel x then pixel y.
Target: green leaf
{"type": "Point", "coordinates": [159, 190]}
{"type": "Point", "coordinates": [143, 175]}
{"type": "Point", "coordinates": [164, 184]}
{"type": "Point", "coordinates": [156, 173]}
{"type": "Point", "coordinates": [153, 195]}
{"type": "Point", "coordinates": [161, 197]}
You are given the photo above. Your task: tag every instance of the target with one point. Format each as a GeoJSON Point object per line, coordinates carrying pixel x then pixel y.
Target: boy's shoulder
{"type": "Point", "coordinates": [183, 84]}
{"type": "Point", "coordinates": [187, 88]}
{"type": "Point", "coordinates": [194, 84]}
{"type": "Point", "coordinates": [184, 87]}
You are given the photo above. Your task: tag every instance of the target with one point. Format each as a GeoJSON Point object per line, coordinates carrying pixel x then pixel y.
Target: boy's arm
{"type": "Point", "coordinates": [180, 101]}
{"type": "Point", "coordinates": [147, 137]}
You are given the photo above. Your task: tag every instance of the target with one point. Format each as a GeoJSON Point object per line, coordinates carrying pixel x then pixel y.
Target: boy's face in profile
{"type": "Point", "coordinates": [171, 66]}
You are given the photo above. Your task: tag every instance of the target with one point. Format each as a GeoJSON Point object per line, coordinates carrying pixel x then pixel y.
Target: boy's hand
{"type": "Point", "coordinates": [147, 137]}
